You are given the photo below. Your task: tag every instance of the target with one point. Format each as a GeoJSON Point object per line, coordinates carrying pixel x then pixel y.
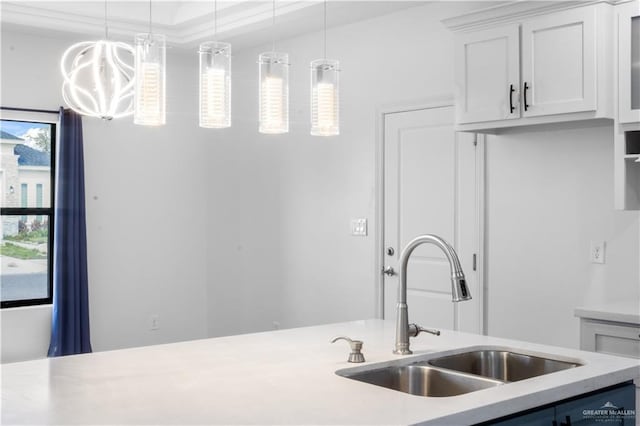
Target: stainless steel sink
{"type": "Point", "coordinates": [457, 374]}
{"type": "Point", "coordinates": [502, 365]}
{"type": "Point", "coordinates": [422, 380]}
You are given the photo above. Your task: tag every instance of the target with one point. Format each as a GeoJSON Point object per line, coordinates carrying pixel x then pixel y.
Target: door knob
{"type": "Point", "coordinates": [389, 271]}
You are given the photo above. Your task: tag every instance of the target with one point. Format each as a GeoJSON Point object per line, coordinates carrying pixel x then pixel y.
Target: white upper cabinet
{"type": "Point", "coordinates": [559, 63]}
{"type": "Point", "coordinates": [530, 63]}
{"type": "Point", "coordinates": [629, 62]}
{"type": "Point", "coordinates": [627, 130]}
{"type": "Point", "coordinates": [488, 75]}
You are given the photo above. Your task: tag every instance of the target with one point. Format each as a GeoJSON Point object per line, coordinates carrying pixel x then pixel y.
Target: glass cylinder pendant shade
{"type": "Point", "coordinates": [150, 93]}
{"type": "Point", "coordinates": [274, 92]}
{"type": "Point", "coordinates": [325, 97]}
{"type": "Point", "coordinates": [215, 84]}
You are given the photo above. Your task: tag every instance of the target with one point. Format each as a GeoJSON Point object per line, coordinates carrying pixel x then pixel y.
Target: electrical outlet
{"type": "Point", "coordinates": [359, 227]}
{"type": "Point", "coordinates": [154, 322]}
{"type": "Point", "coordinates": [597, 253]}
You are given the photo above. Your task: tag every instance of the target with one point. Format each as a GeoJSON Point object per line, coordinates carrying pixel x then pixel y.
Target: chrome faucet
{"type": "Point", "coordinates": [459, 289]}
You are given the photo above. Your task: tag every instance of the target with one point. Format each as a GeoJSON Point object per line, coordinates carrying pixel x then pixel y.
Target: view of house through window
{"type": "Point", "coordinates": [26, 204]}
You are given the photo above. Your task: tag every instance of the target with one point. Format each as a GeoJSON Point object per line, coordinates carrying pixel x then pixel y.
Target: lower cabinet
{"type": "Point", "coordinates": [613, 330]}
{"type": "Point", "coordinates": [588, 410]}
{"type": "Point", "coordinates": [541, 417]}
{"type": "Point", "coordinates": [613, 338]}
{"type": "Point", "coordinates": [612, 406]}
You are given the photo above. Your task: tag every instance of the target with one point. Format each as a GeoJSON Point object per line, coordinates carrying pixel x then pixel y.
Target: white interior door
{"type": "Point", "coordinates": [431, 186]}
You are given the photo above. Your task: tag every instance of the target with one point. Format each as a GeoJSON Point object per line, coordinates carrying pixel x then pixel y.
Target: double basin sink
{"type": "Point", "coordinates": [459, 373]}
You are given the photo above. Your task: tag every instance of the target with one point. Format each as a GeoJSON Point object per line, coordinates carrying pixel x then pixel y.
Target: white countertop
{"type": "Point", "coordinates": [280, 377]}
{"type": "Point", "coordinates": [627, 311]}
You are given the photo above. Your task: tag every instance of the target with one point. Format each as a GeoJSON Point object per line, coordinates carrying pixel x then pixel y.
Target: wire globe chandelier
{"type": "Point", "coordinates": [99, 77]}
{"type": "Point", "coordinates": [98, 81]}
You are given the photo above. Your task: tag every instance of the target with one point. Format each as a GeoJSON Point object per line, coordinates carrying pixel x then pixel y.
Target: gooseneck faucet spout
{"type": "Point", "coordinates": [459, 288]}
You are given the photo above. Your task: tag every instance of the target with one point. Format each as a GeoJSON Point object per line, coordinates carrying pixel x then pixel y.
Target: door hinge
{"type": "Point", "coordinates": [474, 261]}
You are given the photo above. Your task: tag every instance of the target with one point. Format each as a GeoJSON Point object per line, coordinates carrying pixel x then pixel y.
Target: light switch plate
{"type": "Point", "coordinates": [359, 227]}
{"type": "Point", "coordinates": [597, 253]}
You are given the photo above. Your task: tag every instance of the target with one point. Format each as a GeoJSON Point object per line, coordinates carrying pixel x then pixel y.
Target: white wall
{"type": "Point", "coordinates": [282, 249]}
{"type": "Point", "coordinates": [549, 194]}
{"type": "Point", "coordinates": [224, 232]}
{"type": "Point", "coordinates": [553, 182]}
{"type": "Point", "coordinates": [145, 196]}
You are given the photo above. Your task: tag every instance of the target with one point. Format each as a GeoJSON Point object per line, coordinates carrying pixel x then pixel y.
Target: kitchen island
{"type": "Point", "coordinates": [279, 377]}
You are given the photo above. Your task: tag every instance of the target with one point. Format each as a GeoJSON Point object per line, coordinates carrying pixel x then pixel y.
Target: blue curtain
{"type": "Point", "coordinates": [70, 322]}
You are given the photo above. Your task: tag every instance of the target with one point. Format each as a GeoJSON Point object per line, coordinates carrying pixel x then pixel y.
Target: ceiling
{"type": "Point", "coordinates": [188, 23]}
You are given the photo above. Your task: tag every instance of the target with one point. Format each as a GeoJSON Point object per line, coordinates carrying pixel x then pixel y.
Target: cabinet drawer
{"type": "Point", "coordinates": [610, 338]}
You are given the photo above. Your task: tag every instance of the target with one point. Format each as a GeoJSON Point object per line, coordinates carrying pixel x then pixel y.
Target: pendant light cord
{"type": "Point", "coordinates": [215, 20]}
{"type": "Point", "coordinates": [106, 28]}
{"type": "Point", "coordinates": [325, 29]}
{"type": "Point", "coordinates": [149, 17]}
{"type": "Point", "coordinates": [273, 26]}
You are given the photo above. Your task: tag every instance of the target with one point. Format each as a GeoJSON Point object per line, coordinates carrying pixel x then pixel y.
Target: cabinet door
{"type": "Point", "coordinates": [487, 75]}
{"type": "Point", "coordinates": [559, 63]}
{"type": "Point", "coordinates": [629, 62]}
{"type": "Point", "coordinates": [606, 407]}
{"type": "Point", "coordinates": [543, 417]}
{"type": "Point", "coordinates": [610, 338]}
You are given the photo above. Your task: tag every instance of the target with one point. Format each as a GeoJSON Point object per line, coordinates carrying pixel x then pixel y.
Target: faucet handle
{"type": "Point", "coordinates": [415, 329]}
{"type": "Point", "coordinates": [356, 348]}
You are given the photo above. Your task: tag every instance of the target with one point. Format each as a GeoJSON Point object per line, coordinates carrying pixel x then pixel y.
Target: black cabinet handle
{"type": "Point", "coordinates": [511, 90]}
{"type": "Point", "coordinates": [526, 105]}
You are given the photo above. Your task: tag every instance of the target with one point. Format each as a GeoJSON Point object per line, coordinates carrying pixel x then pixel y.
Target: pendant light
{"type": "Point", "coordinates": [273, 88]}
{"type": "Point", "coordinates": [215, 80]}
{"type": "Point", "coordinates": [325, 92]}
{"type": "Point", "coordinates": [150, 87]}
{"type": "Point", "coordinates": [98, 77]}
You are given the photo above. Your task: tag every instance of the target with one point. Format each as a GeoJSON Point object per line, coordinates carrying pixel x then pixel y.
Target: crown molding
{"type": "Point", "coordinates": [513, 11]}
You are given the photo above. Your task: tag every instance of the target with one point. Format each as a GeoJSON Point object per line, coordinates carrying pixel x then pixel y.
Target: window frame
{"type": "Point", "coordinates": [37, 211]}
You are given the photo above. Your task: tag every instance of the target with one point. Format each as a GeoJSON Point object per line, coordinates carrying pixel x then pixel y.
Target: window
{"type": "Point", "coordinates": [24, 194]}
{"type": "Point", "coordinates": [27, 188]}
{"type": "Point", "coordinates": [39, 199]}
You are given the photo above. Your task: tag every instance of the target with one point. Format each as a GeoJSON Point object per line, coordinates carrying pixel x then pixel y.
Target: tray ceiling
{"type": "Point", "coordinates": [187, 23]}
